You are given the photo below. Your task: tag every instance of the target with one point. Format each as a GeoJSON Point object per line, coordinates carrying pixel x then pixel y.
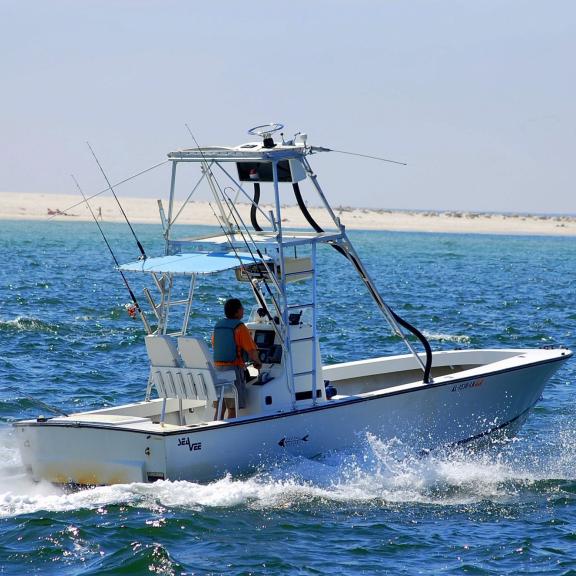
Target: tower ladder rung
{"type": "Point", "coordinates": [305, 373]}
{"type": "Point", "coordinates": [299, 272]}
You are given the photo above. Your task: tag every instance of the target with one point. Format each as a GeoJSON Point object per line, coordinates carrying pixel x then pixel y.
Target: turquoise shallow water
{"type": "Point", "coordinates": [506, 508]}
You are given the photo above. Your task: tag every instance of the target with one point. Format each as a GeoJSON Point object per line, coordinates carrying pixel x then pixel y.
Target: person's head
{"type": "Point", "coordinates": [233, 309]}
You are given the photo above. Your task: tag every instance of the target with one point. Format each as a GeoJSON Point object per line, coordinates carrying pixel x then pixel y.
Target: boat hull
{"type": "Point", "coordinates": [451, 410]}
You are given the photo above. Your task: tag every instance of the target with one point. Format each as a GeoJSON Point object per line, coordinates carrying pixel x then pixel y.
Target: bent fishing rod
{"type": "Point", "coordinates": [132, 295]}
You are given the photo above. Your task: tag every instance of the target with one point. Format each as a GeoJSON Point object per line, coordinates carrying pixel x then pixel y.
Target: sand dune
{"type": "Point", "coordinates": [30, 206]}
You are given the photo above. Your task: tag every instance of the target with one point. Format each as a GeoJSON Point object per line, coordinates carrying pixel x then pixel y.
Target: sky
{"type": "Point", "coordinates": [478, 98]}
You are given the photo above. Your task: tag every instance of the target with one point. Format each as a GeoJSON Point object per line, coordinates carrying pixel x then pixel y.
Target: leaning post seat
{"type": "Point", "coordinates": [164, 366]}
{"type": "Point", "coordinates": [198, 361]}
{"type": "Point", "coordinates": [162, 350]}
{"type": "Point", "coordinates": [195, 353]}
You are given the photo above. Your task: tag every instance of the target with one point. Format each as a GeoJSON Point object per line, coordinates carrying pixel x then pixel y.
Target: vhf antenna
{"type": "Point", "coordinates": [314, 149]}
{"type": "Point", "coordinates": [140, 247]}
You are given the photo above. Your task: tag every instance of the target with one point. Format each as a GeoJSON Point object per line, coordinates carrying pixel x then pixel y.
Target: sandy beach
{"type": "Point", "coordinates": [36, 206]}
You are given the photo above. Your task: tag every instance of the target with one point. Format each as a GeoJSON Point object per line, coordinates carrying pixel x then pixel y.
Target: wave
{"type": "Point", "coordinates": [459, 338]}
{"type": "Point", "coordinates": [382, 474]}
{"type": "Point", "coordinates": [25, 324]}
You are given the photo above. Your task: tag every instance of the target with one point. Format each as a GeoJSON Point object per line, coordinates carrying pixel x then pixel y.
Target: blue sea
{"type": "Point", "coordinates": [508, 507]}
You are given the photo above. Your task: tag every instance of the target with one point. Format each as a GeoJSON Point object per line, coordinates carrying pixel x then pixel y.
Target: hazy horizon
{"type": "Point", "coordinates": [477, 98]}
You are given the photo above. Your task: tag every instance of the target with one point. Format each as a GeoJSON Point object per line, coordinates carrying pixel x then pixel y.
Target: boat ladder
{"type": "Point", "coordinates": [306, 344]}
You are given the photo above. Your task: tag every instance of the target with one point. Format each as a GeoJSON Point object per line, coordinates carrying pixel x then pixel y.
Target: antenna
{"type": "Point", "coordinates": [140, 247]}
{"type": "Point", "coordinates": [323, 149]}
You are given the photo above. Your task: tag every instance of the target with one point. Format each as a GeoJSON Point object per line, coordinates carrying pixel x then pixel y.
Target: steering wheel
{"type": "Point", "coordinates": [265, 130]}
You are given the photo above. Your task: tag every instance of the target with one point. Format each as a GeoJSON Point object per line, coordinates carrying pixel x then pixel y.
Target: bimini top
{"type": "Point", "coordinates": [192, 263]}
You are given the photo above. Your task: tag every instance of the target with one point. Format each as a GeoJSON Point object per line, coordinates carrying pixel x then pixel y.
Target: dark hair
{"type": "Point", "coordinates": [231, 307]}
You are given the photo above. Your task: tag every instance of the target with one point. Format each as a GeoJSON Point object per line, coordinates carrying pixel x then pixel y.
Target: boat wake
{"type": "Point", "coordinates": [381, 474]}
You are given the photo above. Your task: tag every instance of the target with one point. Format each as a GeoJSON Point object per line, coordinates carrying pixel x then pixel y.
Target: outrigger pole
{"type": "Point", "coordinates": [132, 296]}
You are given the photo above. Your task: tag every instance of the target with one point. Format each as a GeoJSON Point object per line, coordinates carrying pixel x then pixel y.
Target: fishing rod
{"type": "Point", "coordinates": [132, 296]}
{"type": "Point", "coordinates": [242, 267]}
{"type": "Point", "coordinates": [238, 220]}
{"type": "Point", "coordinates": [48, 407]}
{"type": "Point", "coordinates": [288, 365]}
{"type": "Point", "coordinates": [140, 247]}
{"type": "Point", "coordinates": [314, 149]}
{"type": "Point", "coordinates": [211, 180]}
{"type": "Point", "coordinates": [261, 256]}
{"type": "Point", "coordinates": [210, 176]}
{"type": "Point", "coordinates": [116, 185]}
{"type": "Point", "coordinates": [252, 280]}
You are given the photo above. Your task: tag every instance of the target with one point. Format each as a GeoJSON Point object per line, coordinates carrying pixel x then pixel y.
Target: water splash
{"type": "Point", "coordinates": [18, 492]}
{"type": "Point", "coordinates": [380, 474]}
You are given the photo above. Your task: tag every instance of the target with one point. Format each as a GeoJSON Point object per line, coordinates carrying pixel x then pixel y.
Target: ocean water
{"type": "Point", "coordinates": [509, 507]}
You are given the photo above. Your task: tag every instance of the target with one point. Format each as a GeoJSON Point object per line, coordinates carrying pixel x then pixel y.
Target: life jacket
{"type": "Point", "coordinates": [225, 349]}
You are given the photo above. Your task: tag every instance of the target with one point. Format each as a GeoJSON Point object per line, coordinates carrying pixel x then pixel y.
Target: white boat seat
{"type": "Point", "coordinates": [195, 353]}
{"type": "Point", "coordinates": [198, 359]}
{"type": "Point", "coordinates": [164, 358]}
{"type": "Point", "coordinates": [186, 371]}
{"type": "Point", "coordinates": [162, 350]}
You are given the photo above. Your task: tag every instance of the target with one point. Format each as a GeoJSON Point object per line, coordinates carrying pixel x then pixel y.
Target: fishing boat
{"type": "Point", "coordinates": [295, 405]}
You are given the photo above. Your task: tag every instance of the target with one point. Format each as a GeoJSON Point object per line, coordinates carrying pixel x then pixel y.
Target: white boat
{"type": "Point", "coordinates": [295, 404]}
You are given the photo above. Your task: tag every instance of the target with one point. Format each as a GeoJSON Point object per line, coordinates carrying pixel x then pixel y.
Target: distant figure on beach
{"type": "Point", "coordinates": [100, 213]}
{"type": "Point", "coordinates": [59, 212]}
{"type": "Point", "coordinates": [56, 212]}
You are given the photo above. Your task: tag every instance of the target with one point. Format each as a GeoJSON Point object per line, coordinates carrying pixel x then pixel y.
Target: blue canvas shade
{"type": "Point", "coordinates": [192, 263]}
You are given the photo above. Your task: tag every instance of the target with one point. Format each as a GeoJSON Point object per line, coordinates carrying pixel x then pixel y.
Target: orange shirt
{"type": "Point", "coordinates": [244, 343]}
